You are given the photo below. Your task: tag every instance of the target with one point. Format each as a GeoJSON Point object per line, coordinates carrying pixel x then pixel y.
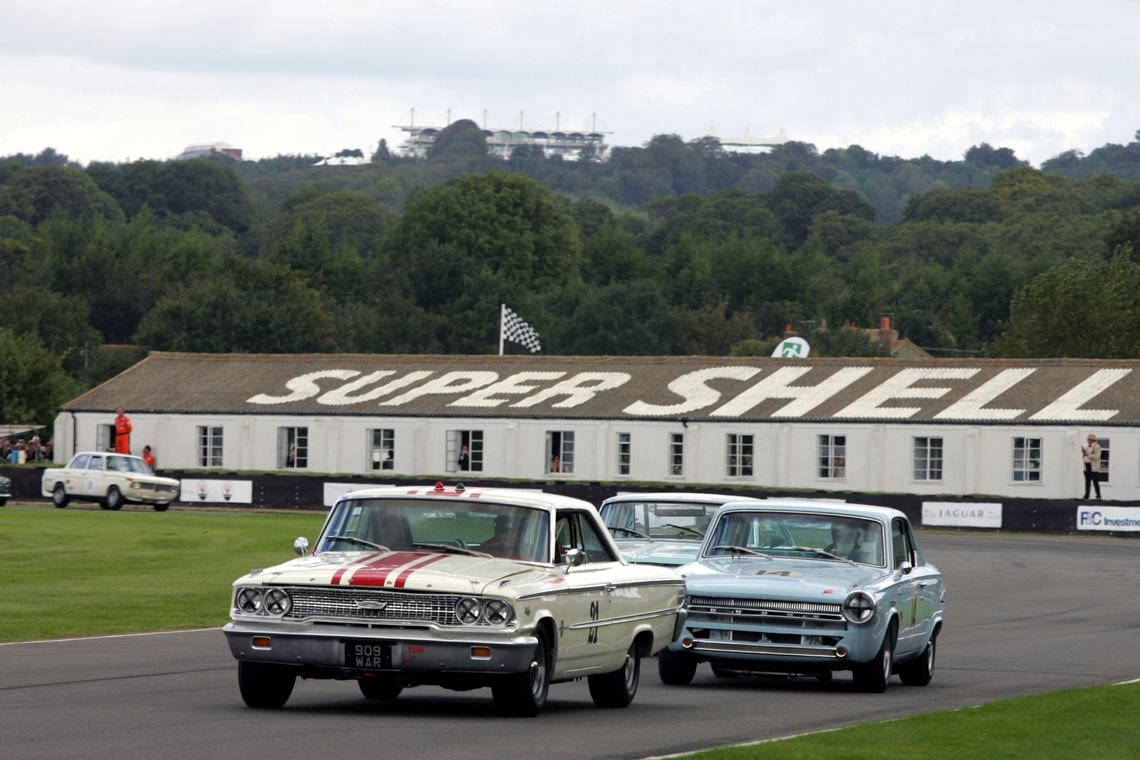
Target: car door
{"type": "Point", "coordinates": [93, 485]}
{"type": "Point", "coordinates": [582, 645]}
{"type": "Point", "coordinates": [928, 583]}
{"type": "Point", "coordinates": [72, 475]}
{"type": "Point", "coordinates": [906, 590]}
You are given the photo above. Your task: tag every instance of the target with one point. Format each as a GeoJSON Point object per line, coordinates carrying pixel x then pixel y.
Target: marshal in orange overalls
{"type": "Point", "coordinates": [122, 434]}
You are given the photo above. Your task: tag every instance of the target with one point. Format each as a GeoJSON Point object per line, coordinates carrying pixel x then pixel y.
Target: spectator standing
{"type": "Point", "coordinates": [148, 457]}
{"type": "Point", "coordinates": [464, 459]}
{"type": "Point", "coordinates": [5, 449]}
{"type": "Point", "coordinates": [122, 433]}
{"type": "Point", "coordinates": [48, 450]}
{"type": "Point", "coordinates": [1091, 455]}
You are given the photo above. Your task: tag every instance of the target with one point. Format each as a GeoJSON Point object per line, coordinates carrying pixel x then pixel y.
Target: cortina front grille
{"type": "Point", "coordinates": [728, 611]}
{"type": "Point", "coordinates": [342, 604]}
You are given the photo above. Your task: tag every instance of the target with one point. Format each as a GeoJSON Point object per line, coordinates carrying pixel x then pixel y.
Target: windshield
{"type": "Point", "coordinates": [362, 525]}
{"type": "Point", "coordinates": [783, 534]}
{"type": "Point", "coordinates": [676, 521]}
{"type": "Point", "coordinates": [127, 464]}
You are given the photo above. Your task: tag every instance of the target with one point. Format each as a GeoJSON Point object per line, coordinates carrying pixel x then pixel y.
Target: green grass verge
{"type": "Point", "coordinates": [66, 573]}
{"type": "Point", "coordinates": [1091, 724]}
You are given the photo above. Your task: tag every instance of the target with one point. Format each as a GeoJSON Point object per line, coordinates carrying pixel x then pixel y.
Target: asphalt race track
{"type": "Point", "coordinates": [1025, 615]}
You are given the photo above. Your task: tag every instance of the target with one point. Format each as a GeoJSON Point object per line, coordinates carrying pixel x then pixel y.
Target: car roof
{"type": "Point", "coordinates": [520, 497]}
{"type": "Point", "coordinates": [884, 514]}
{"type": "Point", "coordinates": [104, 454]}
{"type": "Point", "coordinates": [678, 496]}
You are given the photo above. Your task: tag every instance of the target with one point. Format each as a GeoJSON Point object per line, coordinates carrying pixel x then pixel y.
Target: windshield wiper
{"type": "Point", "coordinates": [451, 548]}
{"type": "Point", "coordinates": [682, 527]}
{"type": "Point", "coordinates": [355, 540]}
{"type": "Point", "coordinates": [741, 550]}
{"type": "Point", "coordinates": [631, 532]}
{"type": "Point", "coordinates": [820, 552]}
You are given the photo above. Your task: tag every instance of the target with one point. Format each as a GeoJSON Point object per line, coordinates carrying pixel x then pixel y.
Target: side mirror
{"type": "Point", "coordinates": [301, 546]}
{"type": "Point", "coordinates": [573, 558]}
{"type": "Point", "coordinates": [905, 568]}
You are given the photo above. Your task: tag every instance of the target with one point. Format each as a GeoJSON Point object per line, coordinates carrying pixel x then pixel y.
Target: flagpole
{"type": "Point", "coordinates": [502, 322]}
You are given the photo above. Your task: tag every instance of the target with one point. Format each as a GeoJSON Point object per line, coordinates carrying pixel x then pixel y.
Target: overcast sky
{"type": "Point", "coordinates": [134, 79]}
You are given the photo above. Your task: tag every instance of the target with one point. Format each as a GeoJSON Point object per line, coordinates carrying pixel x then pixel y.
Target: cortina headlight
{"type": "Point", "coordinates": [859, 607]}
{"type": "Point", "coordinates": [249, 600]}
{"type": "Point", "coordinates": [497, 612]}
{"type": "Point", "coordinates": [468, 611]}
{"type": "Point", "coordinates": [277, 602]}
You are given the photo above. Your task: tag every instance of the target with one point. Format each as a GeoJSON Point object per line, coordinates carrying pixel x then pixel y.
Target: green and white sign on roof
{"type": "Point", "coordinates": [792, 348]}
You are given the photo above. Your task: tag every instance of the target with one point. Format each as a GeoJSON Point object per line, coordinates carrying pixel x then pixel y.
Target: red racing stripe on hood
{"type": "Point", "coordinates": [403, 577]}
{"type": "Point", "coordinates": [337, 575]}
{"type": "Point", "coordinates": [374, 573]}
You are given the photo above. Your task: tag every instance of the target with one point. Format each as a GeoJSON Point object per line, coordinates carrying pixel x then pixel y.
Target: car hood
{"type": "Point", "coordinates": [784, 579]}
{"type": "Point", "coordinates": [411, 571]}
{"type": "Point", "coordinates": [660, 552]}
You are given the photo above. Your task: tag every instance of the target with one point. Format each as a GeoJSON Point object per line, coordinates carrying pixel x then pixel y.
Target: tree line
{"type": "Point", "coordinates": [668, 248]}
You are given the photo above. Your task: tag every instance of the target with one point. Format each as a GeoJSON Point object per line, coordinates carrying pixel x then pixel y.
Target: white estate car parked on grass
{"type": "Point", "coordinates": [463, 589]}
{"type": "Point", "coordinates": [110, 479]}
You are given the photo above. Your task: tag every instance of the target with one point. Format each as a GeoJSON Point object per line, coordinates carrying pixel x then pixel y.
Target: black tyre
{"type": "Point", "coordinates": [3, 502]}
{"type": "Point", "coordinates": [161, 507]}
{"type": "Point", "coordinates": [676, 668]}
{"type": "Point", "coordinates": [59, 496]}
{"type": "Point", "coordinates": [379, 688]}
{"type": "Point", "coordinates": [919, 672]}
{"type": "Point", "coordinates": [617, 689]}
{"type": "Point", "coordinates": [874, 677]}
{"type": "Point", "coordinates": [265, 685]}
{"type": "Point", "coordinates": [114, 500]}
{"type": "Point", "coordinates": [523, 695]}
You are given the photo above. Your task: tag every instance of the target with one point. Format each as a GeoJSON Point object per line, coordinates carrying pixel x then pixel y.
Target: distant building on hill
{"type": "Point", "coordinates": [209, 151]}
{"type": "Point", "coordinates": [746, 143]}
{"type": "Point", "coordinates": [568, 143]}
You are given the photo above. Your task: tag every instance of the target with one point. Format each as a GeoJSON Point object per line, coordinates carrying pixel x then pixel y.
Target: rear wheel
{"type": "Point", "coordinates": [379, 688]}
{"type": "Point", "coordinates": [874, 676]}
{"type": "Point", "coordinates": [676, 668]}
{"type": "Point", "coordinates": [161, 507]}
{"type": "Point", "coordinates": [114, 500]}
{"type": "Point", "coordinates": [265, 685]}
{"type": "Point", "coordinates": [919, 672]}
{"type": "Point", "coordinates": [523, 695]}
{"type": "Point", "coordinates": [59, 496]}
{"type": "Point", "coordinates": [617, 689]}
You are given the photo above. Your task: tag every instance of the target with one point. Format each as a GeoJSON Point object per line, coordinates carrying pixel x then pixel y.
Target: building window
{"type": "Point", "coordinates": [833, 456]}
{"type": "Point", "coordinates": [928, 459]}
{"type": "Point", "coordinates": [209, 446]}
{"type": "Point", "coordinates": [677, 454]}
{"type": "Point", "coordinates": [623, 453]}
{"type": "Point", "coordinates": [1026, 460]}
{"type": "Point", "coordinates": [383, 449]}
{"type": "Point", "coordinates": [464, 450]}
{"type": "Point", "coordinates": [738, 456]}
{"type": "Point", "coordinates": [104, 437]}
{"type": "Point", "coordinates": [292, 447]}
{"type": "Point", "coordinates": [1103, 443]}
{"type": "Point", "coordinates": [560, 452]}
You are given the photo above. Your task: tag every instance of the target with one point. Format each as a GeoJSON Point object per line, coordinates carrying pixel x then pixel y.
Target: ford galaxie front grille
{"type": "Point", "coordinates": [728, 611]}
{"type": "Point", "coordinates": [367, 606]}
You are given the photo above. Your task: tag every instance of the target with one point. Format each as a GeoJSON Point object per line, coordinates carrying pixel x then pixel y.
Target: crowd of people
{"type": "Point", "coordinates": [23, 451]}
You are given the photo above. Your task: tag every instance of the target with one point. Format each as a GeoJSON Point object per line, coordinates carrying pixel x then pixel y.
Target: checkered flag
{"type": "Point", "coordinates": [514, 329]}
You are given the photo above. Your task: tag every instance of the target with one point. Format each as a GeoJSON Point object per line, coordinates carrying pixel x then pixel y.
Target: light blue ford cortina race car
{"type": "Point", "coordinates": [806, 589]}
{"type": "Point", "coordinates": [661, 528]}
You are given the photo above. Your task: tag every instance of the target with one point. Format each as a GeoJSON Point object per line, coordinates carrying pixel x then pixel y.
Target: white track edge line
{"type": "Point", "coordinates": [109, 636]}
{"type": "Point", "coordinates": [1123, 683]}
{"type": "Point", "coordinates": [752, 743]}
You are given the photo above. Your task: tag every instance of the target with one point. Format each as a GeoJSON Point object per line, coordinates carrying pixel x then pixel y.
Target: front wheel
{"type": "Point", "coordinates": [618, 688]}
{"type": "Point", "coordinates": [161, 507]}
{"type": "Point", "coordinates": [676, 668]}
{"type": "Point", "coordinates": [379, 688]}
{"type": "Point", "coordinates": [523, 695]}
{"type": "Point", "coordinates": [265, 685]}
{"type": "Point", "coordinates": [919, 672]}
{"type": "Point", "coordinates": [59, 496]}
{"type": "Point", "coordinates": [873, 677]}
{"type": "Point", "coordinates": [114, 500]}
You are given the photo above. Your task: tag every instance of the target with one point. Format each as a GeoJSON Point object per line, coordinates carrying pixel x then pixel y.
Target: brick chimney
{"type": "Point", "coordinates": [885, 331]}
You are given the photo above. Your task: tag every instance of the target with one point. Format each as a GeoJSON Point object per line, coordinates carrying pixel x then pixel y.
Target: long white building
{"type": "Point", "coordinates": [1011, 428]}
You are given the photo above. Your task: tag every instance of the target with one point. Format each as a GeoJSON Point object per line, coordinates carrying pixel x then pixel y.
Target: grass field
{"type": "Point", "coordinates": [1102, 723]}
{"type": "Point", "coordinates": [67, 573]}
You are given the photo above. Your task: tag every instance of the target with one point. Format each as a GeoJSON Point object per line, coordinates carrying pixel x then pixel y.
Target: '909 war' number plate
{"type": "Point", "coordinates": [367, 655]}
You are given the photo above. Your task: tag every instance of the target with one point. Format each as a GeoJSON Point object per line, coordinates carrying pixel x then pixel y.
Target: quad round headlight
{"type": "Point", "coordinates": [249, 600]}
{"type": "Point", "coordinates": [277, 602]}
{"type": "Point", "coordinates": [859, 607]}
{"type": "Point", "coordinates": [468, 611]}
{"type": "Point", "coordinates": [497, 612]}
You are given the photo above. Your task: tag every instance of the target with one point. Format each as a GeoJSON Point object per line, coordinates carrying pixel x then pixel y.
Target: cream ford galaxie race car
{"type": "Point", "coordinates": [804, 589]}
{"type": "Point", "coordinates": [458, 588]}
{"type": "Point", "coordinates": [110, 479]}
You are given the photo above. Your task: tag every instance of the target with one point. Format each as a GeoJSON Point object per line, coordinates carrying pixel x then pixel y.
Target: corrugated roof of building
{"type": "Point", "coordinates": [1040, 391]}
